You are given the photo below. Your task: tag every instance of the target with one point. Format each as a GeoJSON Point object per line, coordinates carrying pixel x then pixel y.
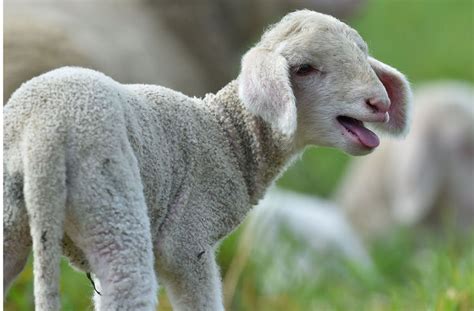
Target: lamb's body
{"type": "Point", "coordinates": [181, 162]}
{"type": "Point", "coordinates": [132, 176]}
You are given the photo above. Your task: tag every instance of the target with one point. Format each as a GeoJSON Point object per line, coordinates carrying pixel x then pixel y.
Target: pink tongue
{"type": "Point", "coordinates": [366, 137]}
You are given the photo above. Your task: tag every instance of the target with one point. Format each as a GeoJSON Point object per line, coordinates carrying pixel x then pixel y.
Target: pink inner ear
{"type": "Point", "coordinates": [395, 88]}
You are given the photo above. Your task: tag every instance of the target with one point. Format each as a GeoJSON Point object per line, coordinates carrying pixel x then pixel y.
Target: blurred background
{"type": "Point", "coordinates": [391, 231]}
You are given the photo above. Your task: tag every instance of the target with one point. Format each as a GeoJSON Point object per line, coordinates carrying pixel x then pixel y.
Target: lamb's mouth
{"type": "Point", "coordinates": [357, 130]}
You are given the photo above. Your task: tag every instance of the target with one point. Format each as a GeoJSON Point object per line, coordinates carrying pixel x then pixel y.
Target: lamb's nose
{"type": "Point", "coordinates": [378, 104]}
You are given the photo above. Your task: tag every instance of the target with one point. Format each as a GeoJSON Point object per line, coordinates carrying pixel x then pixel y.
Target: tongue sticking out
{"type": "Point", "coordinates": [356, 127]}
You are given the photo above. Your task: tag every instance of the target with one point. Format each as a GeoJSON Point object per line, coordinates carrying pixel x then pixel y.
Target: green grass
{"type": "Point", "coordinates": [75, 287]}
{"type": "Point", "coordinates": [412, 270]}
{"type": "Point", "coordinates": [426, 39]}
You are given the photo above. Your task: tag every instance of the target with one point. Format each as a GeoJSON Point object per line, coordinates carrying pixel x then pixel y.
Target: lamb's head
{"type": "Point", "coordinates": [312, 79]}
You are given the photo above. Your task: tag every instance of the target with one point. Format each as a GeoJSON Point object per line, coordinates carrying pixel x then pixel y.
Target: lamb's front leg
{"type": "Point", "coordinates": [191, 277]}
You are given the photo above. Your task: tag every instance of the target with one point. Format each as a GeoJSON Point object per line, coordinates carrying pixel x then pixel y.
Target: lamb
{"type": "Point", "coordinates": [426, 177]}
{"type": "Point", "coordinates": [123, 179]}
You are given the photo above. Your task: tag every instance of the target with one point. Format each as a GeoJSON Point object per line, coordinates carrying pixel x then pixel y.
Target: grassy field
{"type": "Point", "coordinates": [413, 270]}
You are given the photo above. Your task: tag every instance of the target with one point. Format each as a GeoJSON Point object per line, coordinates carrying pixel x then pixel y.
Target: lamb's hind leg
{"type": "Point", "coordinates": [108, 213]}
{"type": "Point", "coordinates": [189, 272]}
{"type": "Point", "coordinates": [16, 232]}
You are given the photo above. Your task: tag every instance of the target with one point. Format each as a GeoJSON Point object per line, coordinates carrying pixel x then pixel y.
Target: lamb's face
{"type": "Point", "coordinates": [335, 87]}
{"type": "Point", "coordinates": [337, 92]}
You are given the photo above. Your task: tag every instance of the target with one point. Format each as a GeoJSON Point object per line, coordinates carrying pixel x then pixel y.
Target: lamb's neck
{"type": "Point", "coordinates": [260, 151]}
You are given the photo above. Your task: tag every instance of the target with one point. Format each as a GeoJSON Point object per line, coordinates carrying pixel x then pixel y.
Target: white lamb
{"type": "Point", "coordinates": [132, 177]}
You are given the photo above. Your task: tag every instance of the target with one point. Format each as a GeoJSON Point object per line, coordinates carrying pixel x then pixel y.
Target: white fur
{"type": "Point", "coordinates": [265, 89]}
{"type": "Point", "coordinates": [347, 77]}
{"type": "Point", "coordinates": [135, 177]}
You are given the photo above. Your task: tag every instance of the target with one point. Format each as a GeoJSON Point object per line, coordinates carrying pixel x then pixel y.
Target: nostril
{"type": "Point", "coordinates": [377, 105]}
{"type": "Point", "coordinates": [371, 106]}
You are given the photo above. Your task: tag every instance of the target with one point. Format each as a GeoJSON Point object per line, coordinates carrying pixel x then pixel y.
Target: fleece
{"type": "Point", "coordinates": [208, 167]}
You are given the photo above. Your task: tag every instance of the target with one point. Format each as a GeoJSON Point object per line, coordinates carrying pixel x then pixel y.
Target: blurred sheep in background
{"type": "Point", "coordinates": [282, 218]}
{"type": "Point", "coordinates": [316, 221]}
{"type": "Point", "coordinates": [194, 46]}
{"type": "Point", "coordinates": [427, 178]}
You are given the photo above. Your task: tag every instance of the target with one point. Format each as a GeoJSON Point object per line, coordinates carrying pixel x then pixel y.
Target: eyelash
{"type": "Point", "coordinates": [305, 69]}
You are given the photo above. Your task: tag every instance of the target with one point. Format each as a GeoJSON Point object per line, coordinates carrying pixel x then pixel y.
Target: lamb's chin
{"type": "Point", "coordinates": [357, 150]}
{"type": "Point", "coordinates": [353, 147]}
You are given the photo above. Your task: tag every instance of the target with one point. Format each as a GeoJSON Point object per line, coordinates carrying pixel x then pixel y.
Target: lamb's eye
{"type": "Point", "coordinates": [305, 70]}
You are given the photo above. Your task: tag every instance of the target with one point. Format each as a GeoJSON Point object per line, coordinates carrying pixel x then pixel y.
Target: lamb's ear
{"type": "Point", "coordinates": [265, 89]}
{"type": "Point", "coordinates": [399, 92]}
